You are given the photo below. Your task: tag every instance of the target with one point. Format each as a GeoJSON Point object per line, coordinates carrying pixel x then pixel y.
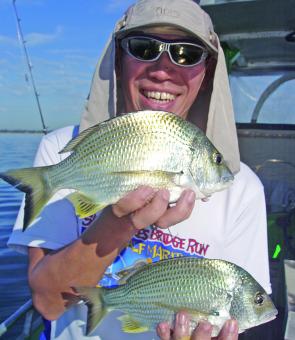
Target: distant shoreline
{"type": "Point", "coordinates": [20, 131]}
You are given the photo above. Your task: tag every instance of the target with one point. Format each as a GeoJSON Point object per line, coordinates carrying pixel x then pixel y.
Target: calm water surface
{"type": "Point", "coordinates": [16, 151]}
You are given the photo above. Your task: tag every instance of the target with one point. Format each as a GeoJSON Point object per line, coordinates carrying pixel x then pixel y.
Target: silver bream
{"type": "Point", "coordinates": [213, 290]}
{"type": "Point", "coordinates": [112, 158]}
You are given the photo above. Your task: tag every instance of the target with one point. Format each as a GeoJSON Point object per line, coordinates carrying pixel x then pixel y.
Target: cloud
{"type": "Point", "coordinates": [5, 40]}
{"type": "Point", "coordinates": [34, 39]}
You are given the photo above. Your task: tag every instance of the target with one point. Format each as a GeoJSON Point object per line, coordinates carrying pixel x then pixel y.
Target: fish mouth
{"type": "Point", "coordinates": [227, 179]}
{"type": "Point", "coordinates": [266, 318]}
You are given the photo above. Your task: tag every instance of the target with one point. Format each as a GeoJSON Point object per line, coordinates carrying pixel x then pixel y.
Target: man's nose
{"type": "Point", "coordinates": [163, 68]}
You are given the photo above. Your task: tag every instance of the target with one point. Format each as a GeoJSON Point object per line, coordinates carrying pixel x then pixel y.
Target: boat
{"type": "Point", "coordinates": [258, 38]}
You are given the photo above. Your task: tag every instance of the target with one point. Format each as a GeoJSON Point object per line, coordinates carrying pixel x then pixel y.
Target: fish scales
{"type": "Point", "coordinates": [133, 140]}
{"type": "Point", "coordinates": [194, 284]}
{"type": "Point", "coordinates": [120, 162]}
{"type": "Point", "coordinates": [108, 160]}
{"type": "Point", "coordinates": [214, 290]}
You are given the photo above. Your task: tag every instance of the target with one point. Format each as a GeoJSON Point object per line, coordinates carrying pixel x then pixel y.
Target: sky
{"type": "Point", "coordinates": [64, 40]}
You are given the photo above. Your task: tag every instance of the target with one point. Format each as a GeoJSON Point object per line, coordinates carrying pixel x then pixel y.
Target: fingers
{"type": "Point", "coordinates": [203, 331]}
{"type": "Point", "coordinates": [147, 206]}
{"type": "Point", "coordinates": [179, 212]}
{"type": "Point", "coordinates": [163, 331]}
{"type": "Point", "coordinates": [181, 326]}
{"type": "Point", "coordinates": [152, 211]}
{"type": "Point", "coordinates": [133, 201]}
{"type": "Point", "coordinates": [230, 331]}
{"type": "Point", "coordinates": [180, 331]}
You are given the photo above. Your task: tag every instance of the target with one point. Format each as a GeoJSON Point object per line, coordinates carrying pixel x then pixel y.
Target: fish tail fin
{"type": "Point", "coordinates": [93, 297]}
{"type": "Point", "coordinates": [34, 183]}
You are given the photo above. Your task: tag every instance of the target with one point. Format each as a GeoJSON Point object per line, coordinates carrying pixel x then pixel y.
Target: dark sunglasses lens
{"type": "Point", "coordinates": [145, 49]}
{"type": "Point", "coordinates": [184, 54]}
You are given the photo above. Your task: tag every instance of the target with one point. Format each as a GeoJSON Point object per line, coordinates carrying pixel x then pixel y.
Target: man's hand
{"type": "Point", "coordinates": [146, 206]}
{"type": "Point", "coordinates": [202, 332]}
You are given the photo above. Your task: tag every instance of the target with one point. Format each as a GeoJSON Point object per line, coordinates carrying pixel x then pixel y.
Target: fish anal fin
{"type": "Point", "coordinates": [72, 144]}
{"type": "Point", "coordinates": [84, 206]}
{"type": "Point", "coordinates": [129, 325]}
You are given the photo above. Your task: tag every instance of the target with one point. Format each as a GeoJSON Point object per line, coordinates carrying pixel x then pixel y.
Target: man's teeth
{"type": "Point", "coordinates": [162, 96]}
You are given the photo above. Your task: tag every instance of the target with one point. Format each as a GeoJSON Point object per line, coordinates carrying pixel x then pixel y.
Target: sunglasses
{"type": "Point", "coordinates": [150, 49]}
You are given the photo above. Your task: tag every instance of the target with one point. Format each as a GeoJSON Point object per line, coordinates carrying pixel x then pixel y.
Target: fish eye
{"type": "Point", "coordinates": [259, 299]}
{"type": "Point", "coordinates": [217, 157]}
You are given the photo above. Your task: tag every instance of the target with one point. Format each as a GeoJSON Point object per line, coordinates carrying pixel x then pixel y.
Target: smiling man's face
{"type": "Point", "coordinates": [161, 84]}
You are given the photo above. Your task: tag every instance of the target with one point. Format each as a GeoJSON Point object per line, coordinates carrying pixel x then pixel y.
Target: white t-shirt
{"type": "Point", "coordinates": [230, 226]}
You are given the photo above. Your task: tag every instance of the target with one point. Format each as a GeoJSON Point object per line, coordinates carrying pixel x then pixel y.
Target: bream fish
{"type": "Point", "coordinates": [114, 157]}
{"type": "Point", "coordinates": [212, 290]}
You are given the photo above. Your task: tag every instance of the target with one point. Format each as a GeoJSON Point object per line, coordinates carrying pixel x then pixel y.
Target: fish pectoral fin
{"type": "Point", "coordinates": [164, 176]}
{"type": "Point", "coordinates": [84, 206]}
{"type": "Point", "coordinates": [177, 309]}
{"type": "Point", "coordinates": [130, 325]}
{"type": "Point", "coordinates": [148, 172]}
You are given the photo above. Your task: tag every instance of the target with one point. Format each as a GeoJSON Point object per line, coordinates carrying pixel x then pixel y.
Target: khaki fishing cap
{"type": "Point", "coordinates": [214, 102]}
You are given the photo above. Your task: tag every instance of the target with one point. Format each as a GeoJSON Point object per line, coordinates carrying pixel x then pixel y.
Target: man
{"type": "Point", "coordinates": [163, 55]}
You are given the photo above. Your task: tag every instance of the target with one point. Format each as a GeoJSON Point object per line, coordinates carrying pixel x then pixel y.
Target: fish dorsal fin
{"type": "Point", "coordinates": [130, 325]}
{"type": "Point", "coordinates": [84, 206]}
{"type": "Point", "coordinates": [127, 272]}
{"type": "Point", "coordinates": [77, 140]}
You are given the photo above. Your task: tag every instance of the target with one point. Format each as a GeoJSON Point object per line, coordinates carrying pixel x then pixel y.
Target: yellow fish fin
{"type": "Point", "coordinates": [77, 140]}
{"type": "Point", "coordinates": [32, 181]}
{"type": "Point", "coordinates": [84, 206]}
{"type": "Point", "coordinates": [130, 325]}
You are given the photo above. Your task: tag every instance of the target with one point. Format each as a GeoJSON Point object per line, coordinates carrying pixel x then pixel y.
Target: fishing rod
{"type": "Point", "coordinates": [30, 66]}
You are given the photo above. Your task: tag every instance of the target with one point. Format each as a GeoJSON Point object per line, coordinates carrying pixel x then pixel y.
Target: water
{"type": "Point", "coordinates": [16, 151]}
